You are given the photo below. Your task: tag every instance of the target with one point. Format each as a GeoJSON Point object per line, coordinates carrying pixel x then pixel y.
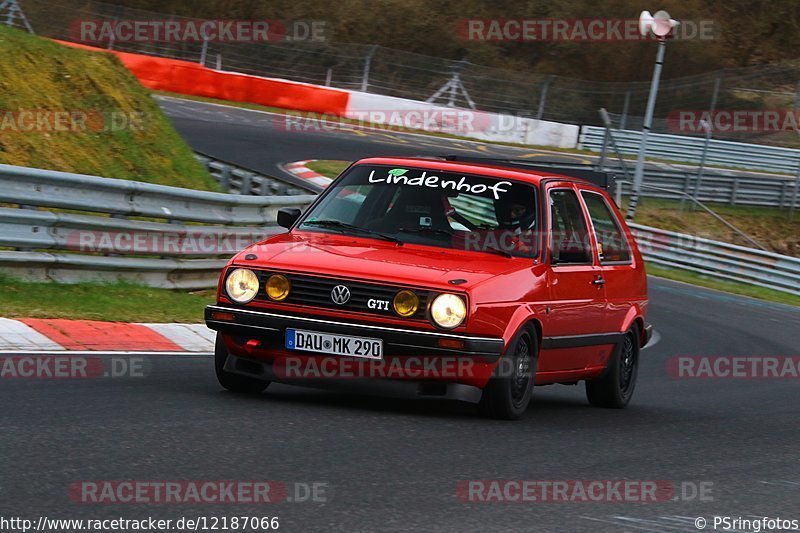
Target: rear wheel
{"type": "Point", "coordinates": [614, 389]}
{"type": "Point", "coordinates": [508, 393]}
{"type": "Point", "coordinates": [230, 381]}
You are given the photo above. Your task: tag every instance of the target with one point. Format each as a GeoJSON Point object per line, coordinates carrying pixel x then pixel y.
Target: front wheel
{"type": "Point", "coordinates": [614, 389]}
{"type": "Point", "coordinates": [230, 381]}
{"type": "Point", "coordinates": [508, 393]}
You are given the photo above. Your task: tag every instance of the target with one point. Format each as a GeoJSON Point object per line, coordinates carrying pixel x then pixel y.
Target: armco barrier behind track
{"type": "Point", "coordinates": [690, 149]}
{"type": "Point", "coordinates": [171, 237]}
{"type": "Point", "coordinates": [239, 180]}
{"type": "Point", "coordinates": [767, 190]}
{"type": "Point", "coordinates": [719, 259]}
{"type": "Point", "coordinates": [183, 241]}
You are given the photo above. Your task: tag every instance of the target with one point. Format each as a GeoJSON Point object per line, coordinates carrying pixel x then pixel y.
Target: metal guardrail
{"type": "Point", "coordinates": [715, 187]}
{"type": "Point", "coordinates": [718, 259]}
{"type": "Point", "coordinates": [236, 179]}
{"type": "Point", "coordinates": [107, 229]}
{"type": "Point", "coordinates": [71, 228]}
{"type": "Point", "coordinates": [689, 149]}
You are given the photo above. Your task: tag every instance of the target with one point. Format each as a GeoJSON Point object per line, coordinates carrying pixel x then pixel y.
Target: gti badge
{"type": "Point", "coordinates": [340, 294]}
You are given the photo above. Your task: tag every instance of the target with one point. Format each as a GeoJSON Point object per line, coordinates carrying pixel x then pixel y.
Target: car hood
{"type": "Point", "coordinates": [374, 260]}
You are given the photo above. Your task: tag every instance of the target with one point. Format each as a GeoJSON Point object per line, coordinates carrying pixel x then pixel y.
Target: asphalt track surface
{"type": "Point", "coordinates": [265, 141]}
{"type": "Point", "coordinates": [394, 464]}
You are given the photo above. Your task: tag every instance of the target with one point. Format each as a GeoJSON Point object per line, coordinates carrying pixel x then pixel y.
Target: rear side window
{"type": "Point", "coordinates": [570, 241]}
{"type": "Point", "coordinates": [612, 245]}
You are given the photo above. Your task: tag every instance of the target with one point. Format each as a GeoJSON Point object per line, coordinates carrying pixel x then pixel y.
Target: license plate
{"type": "Point", "coordinates": [315, 341]}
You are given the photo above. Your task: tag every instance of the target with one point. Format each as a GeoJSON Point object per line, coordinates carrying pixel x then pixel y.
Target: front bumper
{"type": "Point", "coordinates": [398, 342]}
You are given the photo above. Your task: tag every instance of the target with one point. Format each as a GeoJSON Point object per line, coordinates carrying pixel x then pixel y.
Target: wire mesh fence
{"type": "Point", "coordinates": [403, 74]}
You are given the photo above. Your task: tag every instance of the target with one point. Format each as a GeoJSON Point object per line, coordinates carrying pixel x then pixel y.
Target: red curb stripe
{"type": "Point", "coordinates": [299, 169]}
{"type": "Point", "coordinates": [101, 336]}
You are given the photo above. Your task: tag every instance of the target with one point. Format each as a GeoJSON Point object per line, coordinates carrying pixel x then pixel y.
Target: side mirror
{"type": "Point", "coordinates": [287, 216]}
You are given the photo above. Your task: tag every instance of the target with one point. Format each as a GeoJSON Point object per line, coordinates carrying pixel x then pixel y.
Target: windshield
{"type": "Point", "coordinates": [423, 206]}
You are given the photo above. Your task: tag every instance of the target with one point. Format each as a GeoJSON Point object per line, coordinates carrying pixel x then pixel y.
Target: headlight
{"type": "Point", "coordinates": [241, 285]}
{"type": "Point", "coordinates": [278, 287]}
{"type": "Point", "coordinates": [448, 310]}
{"type": "Point", "coordinates": [405, 303]}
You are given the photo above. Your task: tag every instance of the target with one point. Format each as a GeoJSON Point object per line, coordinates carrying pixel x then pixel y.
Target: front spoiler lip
{"type": "Point", "coordinates": [409, 342]}
{"type": "Point", "coordinates": [393, 388]}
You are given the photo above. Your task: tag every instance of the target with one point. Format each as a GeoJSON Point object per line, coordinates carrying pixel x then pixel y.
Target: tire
{"type": "Point", "coordinates": [508, 394]}
{"type": "Point", "coordinates": [230, 381]}
{"type": "Point", "coordinates": [614, 389]}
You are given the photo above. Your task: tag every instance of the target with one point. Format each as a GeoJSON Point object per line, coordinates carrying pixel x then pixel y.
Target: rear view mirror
{"type": "Point", "coordinates": [287, 216]}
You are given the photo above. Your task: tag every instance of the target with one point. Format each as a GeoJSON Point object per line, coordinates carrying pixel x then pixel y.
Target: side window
{"type": "Point", "coordinates": [611, 242]}
{"type": "Point", "coordinates": [569, 241]}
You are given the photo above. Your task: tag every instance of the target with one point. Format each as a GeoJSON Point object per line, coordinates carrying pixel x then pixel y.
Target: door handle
{"type": "Point", "coordinates": [599, 281]}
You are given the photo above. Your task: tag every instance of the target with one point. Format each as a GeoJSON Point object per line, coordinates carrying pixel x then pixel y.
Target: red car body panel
{"type": "Point", "coordinates": [503, 294]}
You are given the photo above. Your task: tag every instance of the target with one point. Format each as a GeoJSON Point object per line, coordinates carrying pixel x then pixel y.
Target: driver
{"type": "Point", "coordinates": [515, 220]}
{"type": "Point", "coordinates": [512, 214]}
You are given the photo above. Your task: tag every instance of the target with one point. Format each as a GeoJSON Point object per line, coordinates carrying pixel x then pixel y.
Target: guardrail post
{"type": "Point", "coordinates": [265, 186]}
{"type": "Point", "coordinates": [543, 96]}
{"type": "Point", "coordinates": [602, 161]}
{"type": "Point", "coordinates": [34, 229]}
{"type": "Point", "coordinates": [687, 181]}
{"type": "Point", "coordinates": [624, 118]}
{"type": "Point", "coordinates": [796, 187]}
{"type": "Point", "coordinates": [367, 65]}
{"type": "Point", "coordinates": [734, 190]}
{"type": "Point", "coordinates": [715, 94]}
{"type": "Point", "coordinates": [204, 52]}
{"type": "Point", "coordinates": [247, 183]}
{"type": "Point", "coordinates": [225, 178]}
{"type": "Point", "coordinates": [707, 128]}
{"type": "Point", "coordinates": [782, 201]}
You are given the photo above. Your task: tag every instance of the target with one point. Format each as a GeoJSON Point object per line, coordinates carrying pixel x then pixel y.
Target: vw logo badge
{"type": "Point", "coordinates": [340, 294]}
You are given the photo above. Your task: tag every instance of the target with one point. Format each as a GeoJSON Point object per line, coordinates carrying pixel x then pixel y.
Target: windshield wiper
{"type": "Point", "coordinates": [498, 251]}
{"type": "Point", "coordinates": [434, 231]}
{"type": "Point", "coordinates": [338, 224]}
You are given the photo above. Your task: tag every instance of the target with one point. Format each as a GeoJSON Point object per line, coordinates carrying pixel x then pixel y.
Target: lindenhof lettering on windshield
{"type": "Point", "coordinates": [397, 175]}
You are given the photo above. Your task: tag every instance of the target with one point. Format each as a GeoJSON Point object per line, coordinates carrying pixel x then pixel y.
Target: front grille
{"type": "Point", "coordinates": [316, 291]}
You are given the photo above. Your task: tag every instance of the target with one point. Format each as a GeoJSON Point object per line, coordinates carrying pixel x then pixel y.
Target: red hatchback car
{"type": "Point", "coordinates": [456, 278]}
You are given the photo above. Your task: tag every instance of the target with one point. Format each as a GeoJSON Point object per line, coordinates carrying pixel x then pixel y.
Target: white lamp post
{"type": "Point", "coordinates": [661, 25]}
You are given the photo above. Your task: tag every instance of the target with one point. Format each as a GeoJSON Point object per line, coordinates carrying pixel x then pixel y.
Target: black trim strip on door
{"type": "Point", "coordinates": [579, 341]}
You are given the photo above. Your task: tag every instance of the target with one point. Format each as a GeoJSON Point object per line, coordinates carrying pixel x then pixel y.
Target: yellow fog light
{"type": "Point", "coordinates": [448, 310]}
{"type": "Point", "coordinates": [278, 287]}
{"type": "Point", "coordinates": [405, 303]}
{"type": "Point", "coordinates": [242, 285]}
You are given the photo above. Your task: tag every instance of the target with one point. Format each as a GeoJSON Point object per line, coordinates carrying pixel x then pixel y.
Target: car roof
{"type": "Point", "coordinates": [532, 176]}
